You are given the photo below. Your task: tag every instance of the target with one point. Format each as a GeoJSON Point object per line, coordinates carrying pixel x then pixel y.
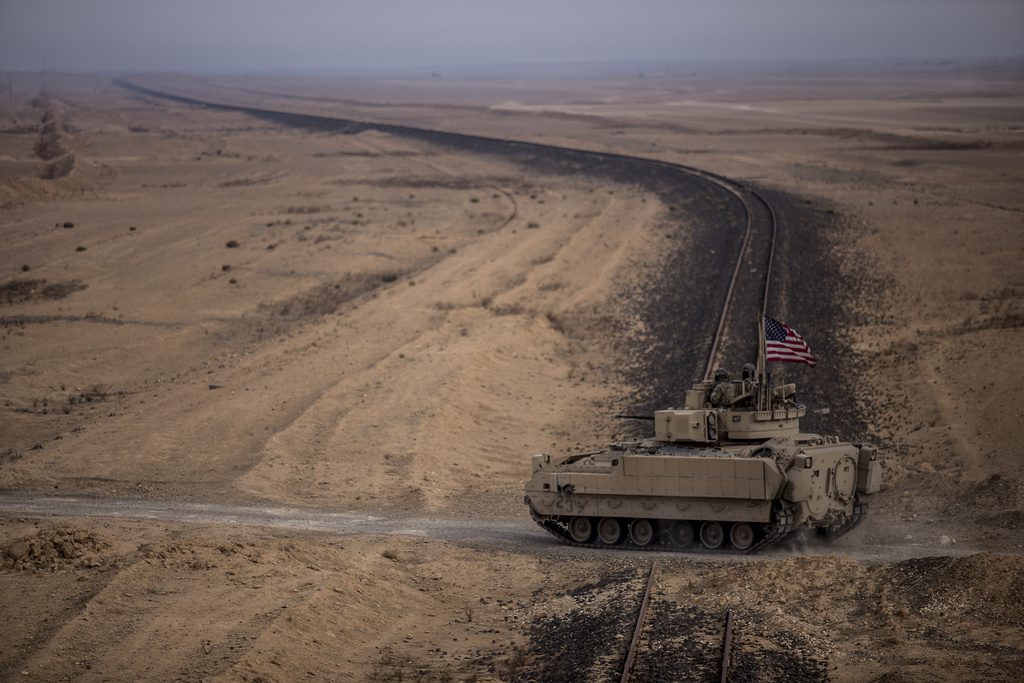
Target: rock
{"type": "Point", "coordinates": [18, 550]}
{"type": "Point", "coordinates": [946, 540]}
{"type": "Point", "coordinates": [67, 549]}
{"type": "Point", "coordinates": [58, 548]}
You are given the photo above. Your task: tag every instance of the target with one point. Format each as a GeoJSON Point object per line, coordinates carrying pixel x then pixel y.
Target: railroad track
{"type": "Point", "coordinates": [747, 197]}
{"type": "Point", "coordinates": [634, 644]}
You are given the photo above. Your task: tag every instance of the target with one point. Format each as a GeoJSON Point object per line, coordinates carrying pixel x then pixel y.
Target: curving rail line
{"type": "Point", "coordinates": [743, 195]}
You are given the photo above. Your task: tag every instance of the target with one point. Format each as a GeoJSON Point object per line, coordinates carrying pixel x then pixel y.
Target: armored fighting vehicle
{"type": "Point", "coordinates": [734, 477]}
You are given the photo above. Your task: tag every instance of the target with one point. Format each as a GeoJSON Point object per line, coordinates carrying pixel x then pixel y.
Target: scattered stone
{"type": "Point", "coordinates": [232, 244]}
{"type": "Point", "coordinates": [68, 224]}
{"type": "Point", "coordinates": [25, 268]}
{"type": "Point", "coordinates": [79, 248]}
{"type": "Point", "coordinates": [225, 267]}
{"type": "Point", "coordinates": [233, 281]}
{"type": "Point", "coordinates": [55, 548]}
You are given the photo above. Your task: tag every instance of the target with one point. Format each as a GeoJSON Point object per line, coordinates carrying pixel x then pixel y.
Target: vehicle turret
{"type": "Point", "coordinates": [752, 415]}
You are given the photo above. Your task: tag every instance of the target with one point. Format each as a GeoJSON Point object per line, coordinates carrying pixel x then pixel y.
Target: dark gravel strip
{"type": "Point", "coordinates": [679, 305]}
{"type": "Point", "coordinates": [740, 343]}
{"type": "Point", "coordinates": [818, 293]}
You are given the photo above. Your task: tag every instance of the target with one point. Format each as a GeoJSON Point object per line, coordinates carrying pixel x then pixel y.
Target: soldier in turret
{"type": "Point", "coordinates": [749, 377]}
{"type": "Point", "coordinates": [747, 386]}
{"type": "Point", "coordinates": [748, 372]}
{"type": "Point", "coordinates": [724, 392]}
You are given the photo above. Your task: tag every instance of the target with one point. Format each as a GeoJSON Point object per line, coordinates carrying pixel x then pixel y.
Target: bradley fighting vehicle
{"type": "Point", "coordinates": [736, 477]}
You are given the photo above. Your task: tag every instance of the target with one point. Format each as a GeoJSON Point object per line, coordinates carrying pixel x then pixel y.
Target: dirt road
{"type": "Point", "coordinates": [508, 534]}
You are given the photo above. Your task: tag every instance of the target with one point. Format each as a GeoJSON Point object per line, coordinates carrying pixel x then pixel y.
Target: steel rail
{"type": "Point", "coordinates": [727, 647]}
{"type": "Point", "coordinates": [638, 629]}
{"type": "Point", "coordinates": [773, 218]}
{"type": "Point", "coordinates": [723, 318]}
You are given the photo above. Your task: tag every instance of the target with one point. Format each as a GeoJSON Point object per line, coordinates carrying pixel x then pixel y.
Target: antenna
{"type": "Point", "coordinates": [762, 366]}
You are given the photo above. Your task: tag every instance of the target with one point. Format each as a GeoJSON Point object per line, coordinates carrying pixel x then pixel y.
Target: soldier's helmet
{"type": "Point", "coordinates": [721, 374]}
{"type": "Point", "coordinates": [749, 370]}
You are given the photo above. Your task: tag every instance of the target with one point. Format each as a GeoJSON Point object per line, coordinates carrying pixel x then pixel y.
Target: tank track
{"type": "Point", "coordinates": [782, 525]}
{"type": "Point", "coordinates": [836, 530]}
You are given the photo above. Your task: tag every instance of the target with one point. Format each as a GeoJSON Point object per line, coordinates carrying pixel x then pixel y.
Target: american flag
{"type": "Point", "coordinates": [782, 343]}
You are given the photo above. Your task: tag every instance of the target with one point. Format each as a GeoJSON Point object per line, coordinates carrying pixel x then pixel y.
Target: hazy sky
{"type": "Point", "coordinates": [278, 34]}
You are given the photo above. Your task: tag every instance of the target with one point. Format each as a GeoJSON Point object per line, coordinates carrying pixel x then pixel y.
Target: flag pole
{"type": "Point", "coordinates": [762, 370]}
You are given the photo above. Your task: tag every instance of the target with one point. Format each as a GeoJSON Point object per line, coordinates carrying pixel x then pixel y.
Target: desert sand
{"type": "Point", "coordinates": [203, 307]}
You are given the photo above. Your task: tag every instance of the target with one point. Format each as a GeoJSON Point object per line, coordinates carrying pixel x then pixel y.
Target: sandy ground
{"type": "Point", "coordinates": [245, 313]}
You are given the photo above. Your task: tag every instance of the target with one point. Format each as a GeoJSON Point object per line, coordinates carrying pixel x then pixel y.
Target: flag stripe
{"type": "Point", "coordinates": [784, 349]}
{"type": "Point", "coordinates": [791, 352]}
{"type": "Point", "coordinates": [783, 344]}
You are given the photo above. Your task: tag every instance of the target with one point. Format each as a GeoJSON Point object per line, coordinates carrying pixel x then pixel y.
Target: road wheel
{"type": "Point", "coordinates": [609, 531]}
{"type": "Point", "coordinates": [741, 535]}
{"type": "Point", "coordinates": [711, 535]}
{"type": "Point", "coordinates": [581, 529]}
{"type": "Point", "coordinates": [641, 532]}
{"type": "Point", "coordinates": [681, 534]}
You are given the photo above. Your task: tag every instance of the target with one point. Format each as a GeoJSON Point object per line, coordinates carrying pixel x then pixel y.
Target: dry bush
{"type": "Point", "coordinates": [50, 146]}
{"type": "Point", "coordinates": [20, 290]}
{"type": "Point", "coordinates": [58, 168]}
